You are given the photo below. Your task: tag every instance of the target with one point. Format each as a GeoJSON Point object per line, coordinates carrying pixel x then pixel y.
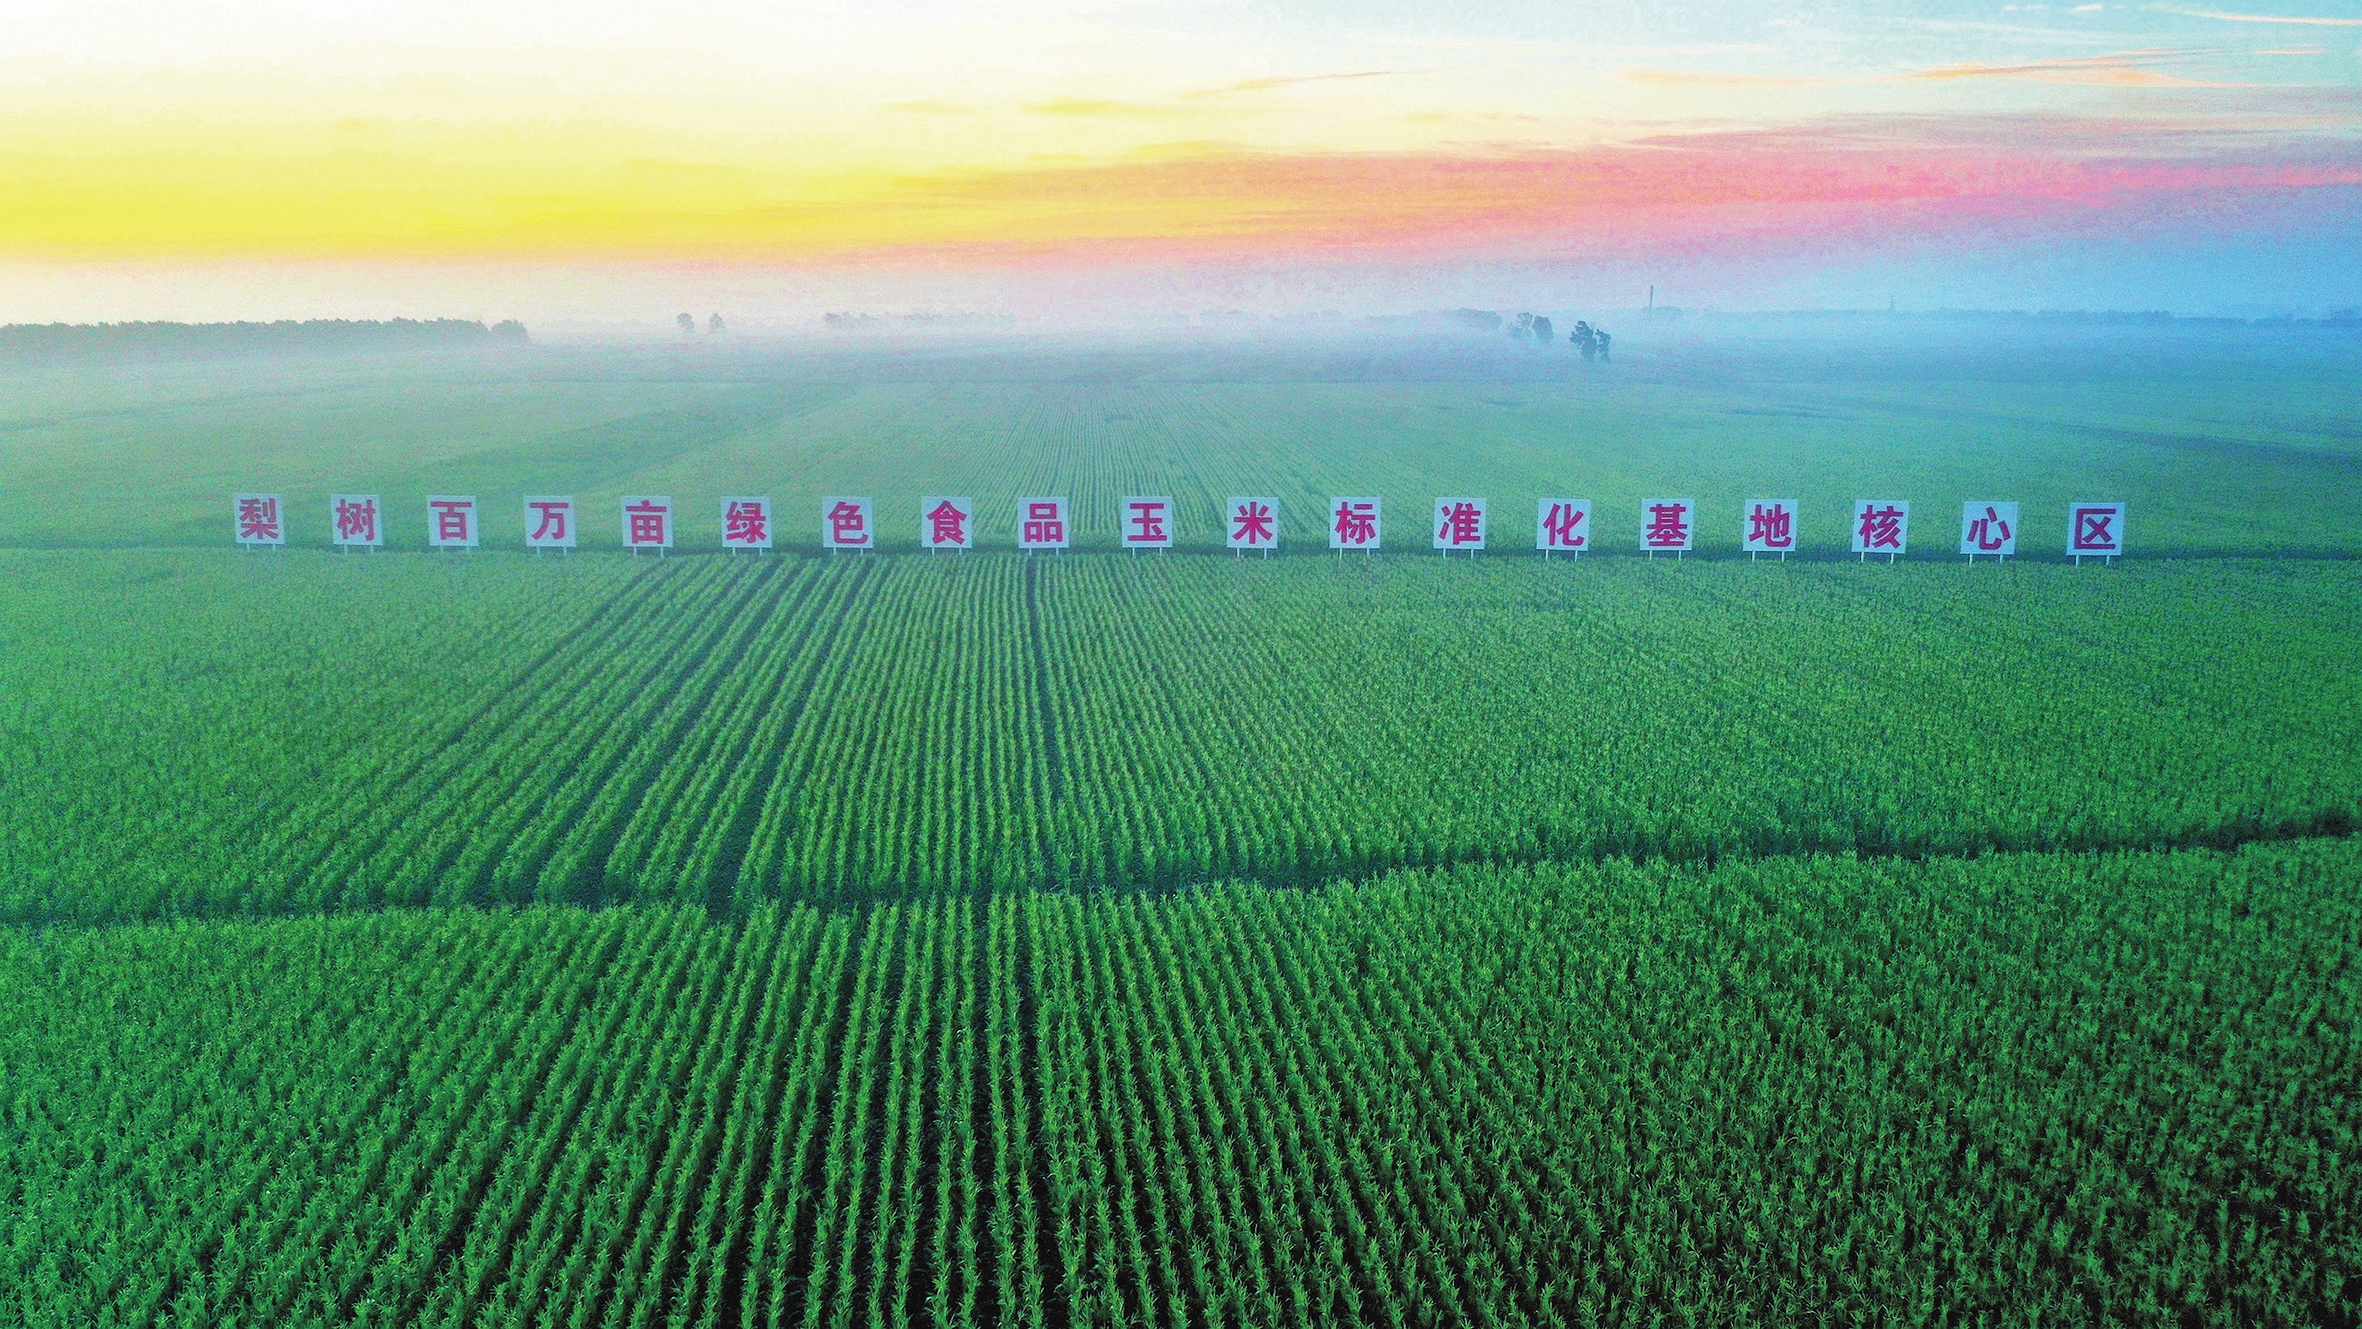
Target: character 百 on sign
{"type": "Point", "coordinates": [1251, 523]}
{"type": "Point", "coordinates": [1041, 523]}
{"type": "Point", "coordinates": [1881, 526]}
{"type": "Point", "coordinates": [647, 522]}
{"type": "Point", "coordinates": [746, 522]}
{"type": "Point", "coordinates": [1354, 523]}
{"type": "Point", "coordinates": [1562, 526]}
{"type": "Point", "coordinates": [947, 522]}
{"type": "Point", "coordinates": [353, 521]}
{"type": "Point", "coordinates": [1459, 524]}
{"type": "Point", "coordinates": [451, 521]}
{"type": "Point", "coordinates": [1147, 522]}
{"type": "Point", "coordinates": [1988, 528]}
{"type": "Point", "coordinates": [259, 519]}
{"type": "Point", "coordinates": [1668, 525]}
{"type": "Point", "coordinates": [845, 524]}
{"type": "Point", "coordinates": [2095, 530]}
{"type": "Point", "coordinates": [549, 522]}
{"type": "Point", "coordinates": [1770, 527]}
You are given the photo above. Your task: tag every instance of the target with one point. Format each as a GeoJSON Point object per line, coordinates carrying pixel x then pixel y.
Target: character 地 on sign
{"type": "Point", "coordinates": [451, 521]}
{"type": "Point", "coordinates": [1771, 527]}
{"type": "Point", "coordinates": [1041, 523]}
{"type": "Point", "coordinates": [259, 519]}
{"type": "Point", "coordinates": [1355, 523]}
{"type": "Point", "coordinates": [746, 522]}
{"type": "Point", "coordinates": [1562, 525]}
{"type": "Point", "coordinates": [2095, 530]}
{"type": "Point", "coordinates": [1667, 525]}
{"type": "Point", "coordinates": [946, 522]}
{"type": "Point", "coordinates": [1988, 528]}
{"type": "Point", "coordinates": [845, 523]}
{"type": "Point", "coordinates": [549, 523]}
{"type": "Point", "coordinates": [353, 521]}
{"type": "Point", "coordinates": [1148, 522]}
{"type": "Point", "coordinates": [647, 522]}
{"type": "Point", "coordinates": [1881, 526]}
{"type": "Point", "coordinates": [1252, 523]}
{"type": "Point", "coordinates": [1459, 524]}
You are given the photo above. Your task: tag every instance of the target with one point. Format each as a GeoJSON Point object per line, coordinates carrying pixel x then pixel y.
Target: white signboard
{"type": "Point", "coordinates": [1251, 523]}
{"type": "Point", "coordinates": [947, 522]}
{"type": "Point", "coordinates": [1668, 525]}
{"type": "Point", "coordinates": [1459, 524]}
{"type": "Point", "coordinates": [1147, 522]}
{"type": "Point", "coordinates": [1354, 523]}
{"type": "Point", "coordinates": [1989, 528]}
{"type": "Point", "coordinates": [746, 522]}
{"type": "Point", "coordinates": [451, 521]}
{"type": "Point", "coordinates": [2095, 530]}
{"type": "Point", "coordinates": [1041, 523]}
{"type": "Point", "coordinates": [845, 523]}
{"type": "Point", "coordinates": [353, 521]}
{"type": "Point", "coordinates": [1881, 526]}
{"type": "Point", "coordinates": [1770, 527]}
{"type": "Point", "coordinates": [261, 519]}
{"type": "Point", "coordinates": [1562, 525]}
{"type": "Point", "coordinates": [647, 522]}
{"type": "Point", "coordinates": [549, 522]}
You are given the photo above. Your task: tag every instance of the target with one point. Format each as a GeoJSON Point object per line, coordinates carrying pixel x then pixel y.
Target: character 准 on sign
{"type": "Point", "coordinates": [1459, 524]}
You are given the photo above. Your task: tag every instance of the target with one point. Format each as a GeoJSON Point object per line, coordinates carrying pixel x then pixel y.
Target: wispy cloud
{"type": "Point", "coordinates": [1090, 108]}
{"type": "Point", "coordinates": [2138, 69]}
{"type": "Point", "coordinates": [2298, 19]}
{"type": "Point", "coordinates": [1295, 80]}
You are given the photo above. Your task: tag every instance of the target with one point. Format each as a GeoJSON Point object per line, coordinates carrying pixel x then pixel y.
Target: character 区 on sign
{"type": "Point", "coordinates": [1354, 523]}
{"type": "Point", "coordinates": [844, 524]}
{"type": "Point", "coordinates": [1041, 523]}
{"type": "Point", "coordinates": [647, 522]}
{"type": "Point", "coordinates": [549, 522]}
{"type": "Point", "coordinates": [1668, 525]}
{"type": "Point", "coordinates": [352, 521]}
{"type": "Point", "coordinates": [1988, 528]}
{"type": "Point", "coordinates": [946, 522]}
{"type": "Point", "coordinates": [1252, 523]}
{"type": "Point", "coordinates": [1459, 524]}
{"type": "Point", "coordinates": [259, 522]}
{"type": "Point", "coordinates": [746, 522]}
{"type": "Point", "coordinates": [1148, 522]}
{"type": "Point", "coordinates": [2095, 530]}
{"type": "Point", "coordinates": [451, 521]}
{"type": "Point", "coordinates": [1771, 527]}
{"type": "Point", "coordinates": [1562, 525]}
{"type": "Point", "coordinates": [1881, 527]}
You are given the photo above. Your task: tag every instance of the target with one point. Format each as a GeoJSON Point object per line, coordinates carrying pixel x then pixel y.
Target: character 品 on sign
{"type": "Point", "coordinates": [2095, 530]}
{"type": "Point", "coordinates": [1770, 527]}
{"type": "Point", "coordinates": [1354, 524]}
{"type": "Point", "coordinates": [259, 519]}
{"type": "Point", "coordinates": [451, 521]}
{"type": "Point", "coordinates": [353, 521]}
{"type": "Point", "coordinates": [1041, 523]}
{"type": "Point", "coordinates": [1459, 524]}
{"type": "Point", "coordinates": [1881, 526]}
{"type": "Point", "coordinates": [1147, 522]}
{"type": "Point", "coordinates": [1562, 525]}
{"type": "Point", "coordinates": [845, 524]}
{"type": "Point", "coordinates": [1251, 523]}
{"type": "Point", "coordinates": [746, 523]}
{"type": "Point", "coordinates": [1668, 525]}
{"type": "Point", "coordinates": [1988, 528]}
{"type": "Point", "coordinates": [947, 522]}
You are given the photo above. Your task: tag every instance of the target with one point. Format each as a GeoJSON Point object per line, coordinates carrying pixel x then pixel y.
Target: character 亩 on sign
{"type": "Point", "coordinates": [259, 521]}
{"type": "Point", "coordinates": [352, 521]}
{"type": "Point", "coordinates": [1881, 526]}
{"type": "Point", "coordinates": [1354, 523]}
{"type": "Point", "coordinates": [946, 522]}
{"type": "Point", "coordinates": [451, 521]}
{"type": "Point", "coordinates": [1459, 524]}
{"type": "Point", "coordinates": [1668, 525]}
{"type": "Point", "coordinates": [549, 522]}
{"type": "Point", "coordinates": [647, 522]}
{"type": "Point", "coordinates": [844, 524]}
{"type": "Point", "coordinates": [2095, 530]}
{"type": "Point", "coordinates": [1041, 523]}
{"type": "Point", "coordinates": [1770, 528]}
{"type": "Point", "coordinates": [1562, 526]}
{"type": "Point", "coordinates": [1148, 522]}
{"type": "Point", "coordinates": [1252, 523]}
{"type": "Point", "coordinates": [746, 522]}
{"type": "Point", "coordinates": [1988, 528]}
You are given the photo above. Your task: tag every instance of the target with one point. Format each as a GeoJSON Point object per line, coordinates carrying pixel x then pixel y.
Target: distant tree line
{"type": "Point", "coordinates": [21, 342]}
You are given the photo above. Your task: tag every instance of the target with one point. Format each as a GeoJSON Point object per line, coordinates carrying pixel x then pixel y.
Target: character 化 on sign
{"type": "Point", "coordinates": [844, 524]}
{"type": "Point", "coordinates": [259, 521]}
{"type": "Point", "coordinates": [451, 521]}
{"type": "Point", "coordinates": [1148, 522]}
{"type": "Point", "coordinates": [1042, 523]}
{"type": "Point", "coordinates": [1459, 524]}
{"type": "Point", "coordinates": [746, 523]}
{"type": "Point", "coordinates": [1668, 525]}
{"type": "Point", "coordinates": [549, 522]}
{"type": "Point", "coordinates": [1881, 527]}
{"type": "Point", "coordinates": [1354, 523]}
{"type": "Point", "coordinates": [647, 522]}
{"type": "Point", "coordinates": [1252, 523]}
{"type": "Point", "coordinates": [353, 521]}
{"type": "Point", "coordinates": [1771, 527]}
{"type": "Point", "coordinates": [2095, 530]}
{"type": "Point", "coordinates": [1988, 528]}
{"type": "Point", "coordinates": [946, 522]}
{"type": "Point", "coordinates": [1562, 525]}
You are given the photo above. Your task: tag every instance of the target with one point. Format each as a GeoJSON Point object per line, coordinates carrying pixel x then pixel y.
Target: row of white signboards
{"type": "Point", "coordinates": [1561, 525]}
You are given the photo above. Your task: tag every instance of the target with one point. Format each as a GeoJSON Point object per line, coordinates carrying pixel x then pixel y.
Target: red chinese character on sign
{"type": "Point", "coordinates": [1043, 525]}
{"type": "Point", "coordinates": [1882, 528]}
{"type": "Point", "coordinates": [1357, 523]}
{"type": "Point", "coordinates": [356, 521]}
{"type": "Point", "coordinates": [1558, 527]}
{"type": "Point", "coordinates": [451, 517]}
{"type": "Point", "coordinates": [1463, 523]}
{"type": "Point", "coordinates": [1147, 522]}
{"type": "Point", "coordinates": [1771, 527]}
{"type": "Point", "coordinates": [1251, 525]}
{"type": "Point", "coordinates": [2095, 530]}
{"type": "Point", "coordinates": [846, 524]}
{"type": "Point", "coordinates": [1989, 532]}
{"type": "Point", "coordinates": [258, 519]}
{"type": "Point", "coordinates": [646, 522]}
{"type": "Point", "coordinates": [1668, 526]}
{"type": "Point", "coordinates": [947, 525]}
{"type": "Point", "coordinates": [552, 525]}
{"type": "Point", "coordinates": [745, 524]}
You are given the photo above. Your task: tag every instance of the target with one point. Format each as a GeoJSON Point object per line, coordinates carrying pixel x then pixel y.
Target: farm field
{"type": "Point", "coordinates": [490, 938]}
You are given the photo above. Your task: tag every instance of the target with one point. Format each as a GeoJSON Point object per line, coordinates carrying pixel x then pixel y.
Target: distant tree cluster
{"type": "Point", "coordinates": [29, 342]}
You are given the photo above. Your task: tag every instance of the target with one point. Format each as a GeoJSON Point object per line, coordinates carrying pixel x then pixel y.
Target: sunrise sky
{"type": "Point", "coordinates": [215, 158]}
